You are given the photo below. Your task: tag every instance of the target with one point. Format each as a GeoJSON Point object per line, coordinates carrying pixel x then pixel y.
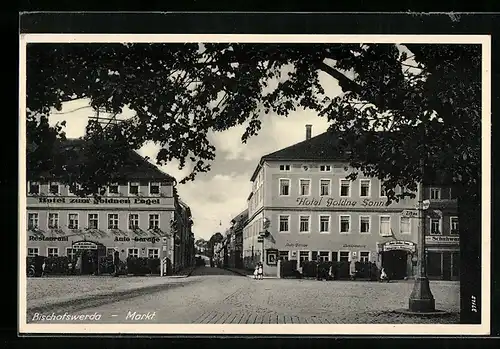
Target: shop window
{"type": "Point", "coordinates": [133, 221]}
{"type": "Point", "coordinates": [53, 220]}
{"type": "Point", "coordinates": [133, 252]}
{"type": "Point", "coordinates": [434, 262]}
{"type": "Point", "coordinates": [112, 220]}
{"type": "Point", "coordinates": [54, 188]}
{"type": "Point", "coordinates": [454, 225]}
{"type": "Point", "coordinates": [113, 188]}
{"type": "Point", "coordinates": [34, 188]}
{"type": "Point", "coordinates": [33, 251]}
{"type": "Point", "coordinates": [305, 187]}
{"type": "Point", "coordinates": [154, 221]}
{"type": "Point", "coordinates": [324, 256]}
{"type": "Point", "coordinates": [304, 224]}
{"type": "Point", "coordinates": [435, 193]}
{"type": "Point", "coordinates": [52, 252]}
{"type": "Point", "coordinates": [344, 256]}
{"type": "Point", "coordinates": [70, 253]}
{"type": "Point", "coordinates": [364, 224]}
{"type": "Point", "coordinates": [153, 253]}
{"type": "Point", "coordinates": [303, 257]}
{"type": "Point", "coordinates": [345, 224]}
{"type": "Point", "coordinates": [345, 188]}
{"type": "Point", "coordinates": [32, 220]}
{"type": "Point", "coordinates": [154, 188]}
{"type": "Point", "coordinates": [284, 187]}
{"type": "Point", "coordinates": [284, 225]}
{"type": "Point", "coordinates": [133, 188]}
{"type": "Point", "coordinates": [93, 220]}
{"type": "Point", "coordinates": [283, 255]}
{"type": "Point", "coordinates": [385, 225]}
{"type": "Point", "coordinates": [324, 224]}
{"type": "Point", "coordinates": [325, 185]}
{"type": "Point", "coordinates": [73, 221]}
{"type": "Point", "coordinates": [364, 257]}
{"type": "Point", "coordinates": [364, 188]}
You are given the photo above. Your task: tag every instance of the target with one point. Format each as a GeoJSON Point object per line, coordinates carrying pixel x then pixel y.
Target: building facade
{"type": "Point", "coordinates": [315, 213]}
{"type": "Point", "coordinates": [184, 250]}
{"type": "Point", "coordinates": [236, 246]}
{"type": "Point", "coordinates": [132, 219]}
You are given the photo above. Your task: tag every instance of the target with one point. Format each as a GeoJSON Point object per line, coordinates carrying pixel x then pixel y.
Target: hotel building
{"type": "Point", "coordinates": [315, 213]}
{"type": "Point", "coordinates": [133, 218]}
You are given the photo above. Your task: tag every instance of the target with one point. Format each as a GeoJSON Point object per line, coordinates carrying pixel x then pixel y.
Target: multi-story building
{"type": "Point", "coordinates": [133, 218]}
{"type": "Point", "coordinates": [237, 225]}
{"type": "Point", "coordinates": [316, 213]}
{"type": "Point", "coordinates": [184, 241]}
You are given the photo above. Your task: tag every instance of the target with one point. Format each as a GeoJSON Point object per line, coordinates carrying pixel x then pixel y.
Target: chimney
{"type": "Point", "coordinates": [308, 131]}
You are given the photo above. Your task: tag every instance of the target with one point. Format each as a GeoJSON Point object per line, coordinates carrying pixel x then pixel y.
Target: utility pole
{"type": "Point", "coordinates": [421, 298]}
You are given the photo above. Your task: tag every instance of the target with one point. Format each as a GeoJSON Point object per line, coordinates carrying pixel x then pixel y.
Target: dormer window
{"type": "Point", "coordinates": [133, 188]}
{"type": "Point", "coordinates": [74, 188]}
{"type": "Point", "coordinates": [284, 167]}
{"type": "Point", "coordinates": [325, 168]}
{"type": "Point", "coordinates": [34, 188]}
{"type": "Point", "coordinates": [154, 188]}
{"type": "Point", "coordinates": [54, 188]}
{"type": "Point", "coordinates": [113, 188]}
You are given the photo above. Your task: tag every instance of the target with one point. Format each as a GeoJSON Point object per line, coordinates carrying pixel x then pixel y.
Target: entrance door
{"type": "Point", "coordinates": [395, 264]}
{"type": "Point", "coordinates": [89, 262]}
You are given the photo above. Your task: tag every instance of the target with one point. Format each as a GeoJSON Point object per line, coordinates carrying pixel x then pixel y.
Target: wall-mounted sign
{"type": "Point", "coordinates": [442, 240]}
{"type": "Point", "coordinates": [48, 238]}
{"type": "Point", "coordinates": [84, 245]}
{"type": "Point", "coordinates": [331, 202]}
{"type": "Point", "coordinates": [101, 201]}
{"type": "Point", "coordinates": [272, 257]}
{"type": "Point", "coordinates": [288, 244]}
{"type": "Point", "coordinates": [137, 239]}
{"type": "Point", "coordinates": [410, 213]}
{"type": "Point", "coordinates": [399, 245]}
{"type": "Point", "coordinates": [353, 246]}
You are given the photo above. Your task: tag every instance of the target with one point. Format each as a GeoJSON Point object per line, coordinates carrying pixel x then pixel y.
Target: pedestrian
{"type": "Point", "coordinates": [261, 271]}
{"type": "Point", "coordinates": [256, 272]}
{"type": "Point", "coordinates": [352, 270]}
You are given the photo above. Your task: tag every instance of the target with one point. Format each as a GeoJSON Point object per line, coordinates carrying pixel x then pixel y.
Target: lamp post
{"type": "Point", "coordinates": [421, 298]}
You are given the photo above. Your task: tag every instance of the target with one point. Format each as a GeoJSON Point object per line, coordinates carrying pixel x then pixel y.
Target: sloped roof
{"type": "Point", "coordinates": [136, 167]}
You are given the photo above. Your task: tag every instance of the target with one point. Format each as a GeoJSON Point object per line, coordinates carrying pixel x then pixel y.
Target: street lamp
{"type": "Point", "coordinates": [421, 298]}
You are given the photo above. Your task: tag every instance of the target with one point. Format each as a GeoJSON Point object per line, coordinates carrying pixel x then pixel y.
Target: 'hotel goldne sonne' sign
{"type": "Point", "coordinates": [331, 202]}
{"type": "Point", "coordinates": [126, 201]}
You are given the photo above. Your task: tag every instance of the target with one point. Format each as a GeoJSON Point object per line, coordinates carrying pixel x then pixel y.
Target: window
{"type": "Point", "coordinates": [324, 224]}
{"type": "Point", "coordinates": [435, 193]}
{"type": "Point", "coordinates": [284, 167]}
{"type": "Point", "coordinates": [53, 221]}
{"type": "Point", "coordinates": [325, 168]}
{"type": "Point", "coordinates": [345, 224]}
{"type": "Point", "coordinates": [305, 187]}
{"type": "Point", "coordinates": [54, 188]}
{"type": "Point", "coordinates": [32, 220]}
{"type": "Point", "coordinates": [345, 187]}
{"type": "Point", "coordinates": [335, 256]}
{"type": "Point", "coordinates": [325, 185]}
{"type": "Point", "coordinates": [283, 255]}
{"type": "Point", "coordinates": [324, 256]}
{"type": "Point", "coordinates": [52, 252]}
{"type": "Point", "coordinates": [112, 220]}
{"type": "Point", "coordinates": [405, 225]}
{"type": "Point", "coordinates": [436, 226]}
{"type": "Point", "coordinates": [385, 225]}
{"type": "Point", "coordinates": [154, 188]}
{"type": "Point", "coordinates": [33, 251]}
{"type": "Point", "coordinates": [133, 221]}
{"type": "Point", "coordinates": [73, 221]}
{"type": "Point", "coordinates": [284, 225]}
{"type": "Point", "coordinates": [284, 187]}
{"type": "Point", "coordinates": [344, 256]}
{"type": "Point", "coordinates": [34, 188]}
{"type": "Point", "coordinates": [70, 253]}
{"type": "Point", "coordinates": [73, 188]}
{"type": "Point", "coordinates": [133, 188]}
{"type": "Point", "coordinates": [113, 188]}
{"type": "Point", "coordinates": [382, 190]}
{"type": "Point", "coordinates": [303, 257]}
{"type": "Point", "coordinates": [110, 251]}
{"type": "Point", "coordinates": [93, 220]}
{"type": "Point", "coordinates": [153, 253]}
{"type": "Point", "coordinates": [304, 224]}
{"type": "Point", "coordinates": [154, 221]}
{"type": "Point", "coordinates": [133, 252]}
{"type": "Point", "coordinates": [364, 257]}
{"type": "Point", "coordinates": [364, 224]}
{"type": "Point", "coordinates": [364, 188]}
{"type": "Point", "coordinates": [454, 225]}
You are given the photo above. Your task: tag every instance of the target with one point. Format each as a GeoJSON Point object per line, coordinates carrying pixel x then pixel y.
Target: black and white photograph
{"type": "Point", "coordinates": [253, 183]}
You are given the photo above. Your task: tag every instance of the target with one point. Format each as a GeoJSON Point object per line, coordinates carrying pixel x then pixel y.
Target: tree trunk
{"type": "Point", "coordinates": [469, 211]}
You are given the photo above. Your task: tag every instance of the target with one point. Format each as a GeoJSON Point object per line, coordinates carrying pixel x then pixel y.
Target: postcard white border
{"type": "Point", "coordinates": [317, 329]}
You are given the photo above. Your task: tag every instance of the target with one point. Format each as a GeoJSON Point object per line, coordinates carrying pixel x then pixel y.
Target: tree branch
{"type": "Point", "coordinates": [344, 82]}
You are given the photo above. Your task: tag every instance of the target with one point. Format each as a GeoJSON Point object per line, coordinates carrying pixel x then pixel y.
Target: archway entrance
{"type": "Point", "coordinates": [396, 258]}
{"type": "Point", "coordinates": [87, 254]}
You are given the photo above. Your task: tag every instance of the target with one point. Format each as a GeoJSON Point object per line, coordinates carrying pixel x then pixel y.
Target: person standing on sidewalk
{"type": "Point", "coordinates": [260, 272]}
{"type": "Point", "coordinates": [256, 272]}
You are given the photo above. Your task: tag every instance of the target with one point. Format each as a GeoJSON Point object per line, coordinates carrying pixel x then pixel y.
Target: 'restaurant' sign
{"type": "Point", "coordinates": [442, 240]}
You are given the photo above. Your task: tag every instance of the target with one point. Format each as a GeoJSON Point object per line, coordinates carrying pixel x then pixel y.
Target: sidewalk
{"type": "Point", "coordinates": [248, 273]}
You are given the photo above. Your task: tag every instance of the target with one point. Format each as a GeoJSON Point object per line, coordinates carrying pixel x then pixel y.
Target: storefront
{"type": "Point", "coordinates": [443, 257]}
{"type": "Point", "coordinates": [398, 258]}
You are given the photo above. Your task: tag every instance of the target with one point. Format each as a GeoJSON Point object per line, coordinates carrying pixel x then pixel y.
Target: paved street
{"type": "Point", "coordinates": [213, 295]}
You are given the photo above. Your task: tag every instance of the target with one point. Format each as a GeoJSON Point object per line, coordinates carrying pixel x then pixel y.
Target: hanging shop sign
{"type": "Point", "coordinates": [331, 202]}
{"type": "Point", "coordinates": [442, 240]}
{"type": "Point", "coordinates": [84, 245]}
{"type": "Point", "coordinates": [399, 245]}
